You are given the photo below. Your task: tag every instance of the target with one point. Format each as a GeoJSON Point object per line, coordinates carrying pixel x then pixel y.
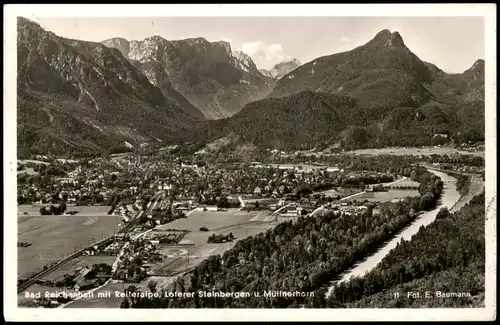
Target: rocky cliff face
{"type": "Point", "coordinates": [283, 68]}
{"type": "Point", "coordinates": [266, 73]}
{"type": "Point", "coordinates": [209, 75]}
{"type": "Point", "coordinates": [73, 93]}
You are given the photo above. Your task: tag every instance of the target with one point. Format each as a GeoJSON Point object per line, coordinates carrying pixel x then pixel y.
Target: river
{"type": "Point", "coordinates": [449, 198]}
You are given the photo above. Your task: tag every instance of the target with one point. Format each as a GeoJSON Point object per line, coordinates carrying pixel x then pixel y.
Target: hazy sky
{"type": "Point", "coordinates": [451, 43]}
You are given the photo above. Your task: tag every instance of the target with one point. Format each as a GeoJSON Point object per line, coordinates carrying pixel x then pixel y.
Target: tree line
{"type": "Point", "coordinates": [447, 255]}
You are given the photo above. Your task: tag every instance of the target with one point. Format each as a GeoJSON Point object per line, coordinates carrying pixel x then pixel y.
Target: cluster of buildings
{"type": "Point", "coordinates": [460, 168]}
{"type": "Point", "coordinates": [130, 265]}
{"type": "Point", "coordinates": [111, 247]}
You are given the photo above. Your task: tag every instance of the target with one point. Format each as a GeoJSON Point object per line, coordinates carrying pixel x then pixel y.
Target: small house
{"type": "Point", "coordinates": [86, 285]}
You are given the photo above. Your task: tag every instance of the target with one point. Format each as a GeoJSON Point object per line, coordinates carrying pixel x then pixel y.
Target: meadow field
{"type": "Point", "coordinates": [54, 237]}
{"type": "Point", "coordinates": [406, 182]}
{"type": "Point", "coordinates": [383, 196]}
{"type": "Point", "coordinates": [415, 151]}
{"type": "Point", "coordinates": [193, 248]}
{"type": "Point", "coordinates": [213, 220]}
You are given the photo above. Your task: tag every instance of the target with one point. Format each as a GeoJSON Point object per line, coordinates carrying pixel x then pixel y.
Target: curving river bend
{"type": "Point", "coordinates": [449, 198]}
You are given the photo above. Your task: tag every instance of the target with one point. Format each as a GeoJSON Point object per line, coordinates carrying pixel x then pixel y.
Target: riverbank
{"type": "Point", "coordinates": [449, 198]}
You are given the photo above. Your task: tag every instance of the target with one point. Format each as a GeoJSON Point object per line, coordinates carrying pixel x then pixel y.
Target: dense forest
{"type": "Point", "coordinates": [446, 256]}
{"type": "Point", "coordinates": [307, 120]}
{"type": "Point", "coordinates": [299, 256]}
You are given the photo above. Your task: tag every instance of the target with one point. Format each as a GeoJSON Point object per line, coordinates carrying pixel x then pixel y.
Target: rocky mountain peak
{"type": "Point", "coordinates": [388, 39]}
{"type": "Point", "coordinates": [243, 61]}
{"type": "Point", "coordinates": [478, 65]}
{"type": "Point", "coordinates": [283, 68]}
{"type": "Point", "coordinates": [195, 40]}
{"type": "Point", "coordinates": [265, 73]}
{"type": "Point", "coordinates": [225, 45]}
{"type": "Point", "coordinates": [119, 43]}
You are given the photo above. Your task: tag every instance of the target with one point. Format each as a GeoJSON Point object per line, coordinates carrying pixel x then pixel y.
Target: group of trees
{"type": "Point", "coordinates": [53, 210]}
{"type": "Point", "coordinates": [220, 238]}
{"type": "Point", "coordinates": [303, 255]}
{"type": "Point", "coordinates": [448, 256]}
{"type": "Point", "coordinates": [463, 182]}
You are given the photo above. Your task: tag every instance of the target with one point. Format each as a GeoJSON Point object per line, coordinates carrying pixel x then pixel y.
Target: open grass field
{"type": "Point", "coordinates": [331, 193]}
{"type": "Point", "coordinates": [194, 247]}
{"type": "Point", "coordinates": [384, 196]}
{"type": "Point", "coordinates": [415, 151]}
{"type": "Point", "coordinates": [406, 182]}
{"type": "Point", "coordinates": [304, 167]}
{"type": "Point", "coordinates": [25, 161]}
{"type": "Point", "coordinates": [80, 261]}
{"type": "Point", "coordinates": [90, 210]}
{"type": "Point", "coordinates": [28, 170]}
{"type": "Point", "coordinates": [53, 237]}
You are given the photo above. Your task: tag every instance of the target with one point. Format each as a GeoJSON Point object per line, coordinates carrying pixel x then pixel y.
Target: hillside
{"type": "Point", "coordinates": [395, 99]}
{"type": "Point", "coordinates": [76, 96]}
{"type": "Point", "coordinates": [215, 80]}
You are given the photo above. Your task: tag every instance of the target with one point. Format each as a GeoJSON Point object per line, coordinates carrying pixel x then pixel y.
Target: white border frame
{"type": "Point", "coordinates": [13, 313]}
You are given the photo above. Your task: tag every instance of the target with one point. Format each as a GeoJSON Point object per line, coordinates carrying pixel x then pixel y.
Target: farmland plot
{"type": "Point", "coordinates": [53, 237]}
{"type": "Point", "coordinates": [384, 196]}
{"type": "Point", "coordinates": [416, 151]}
{"type": "Point", "coordinates": [212, 220]}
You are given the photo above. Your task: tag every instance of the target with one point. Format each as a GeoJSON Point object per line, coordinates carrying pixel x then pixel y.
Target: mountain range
{"type": "Point", "coordinates": [215, 79]}
{"type": "Point", "coordinates": [78, 96]}
{"type": "Point", "coordinates": [378, 94]}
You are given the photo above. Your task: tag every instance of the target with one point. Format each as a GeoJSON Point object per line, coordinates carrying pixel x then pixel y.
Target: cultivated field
{"type": "Point", "coordinates": [384, 196]}
{"type": "Point", "coordinates": [406, 182]}
{"type": "Point", "coordinates": [193, 248]}
{"type": "Point", "coordinates": [213, 220]}
{"type": "Point", "coordinates": [414, 151]}
{"type": "Point", "coordinates": [53, 237]}
{"type": "Point", "coordinates": [90, 210]}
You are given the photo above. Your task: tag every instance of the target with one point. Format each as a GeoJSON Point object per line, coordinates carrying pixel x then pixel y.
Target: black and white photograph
{"type": "Point", "coordinates": [253, 162]}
